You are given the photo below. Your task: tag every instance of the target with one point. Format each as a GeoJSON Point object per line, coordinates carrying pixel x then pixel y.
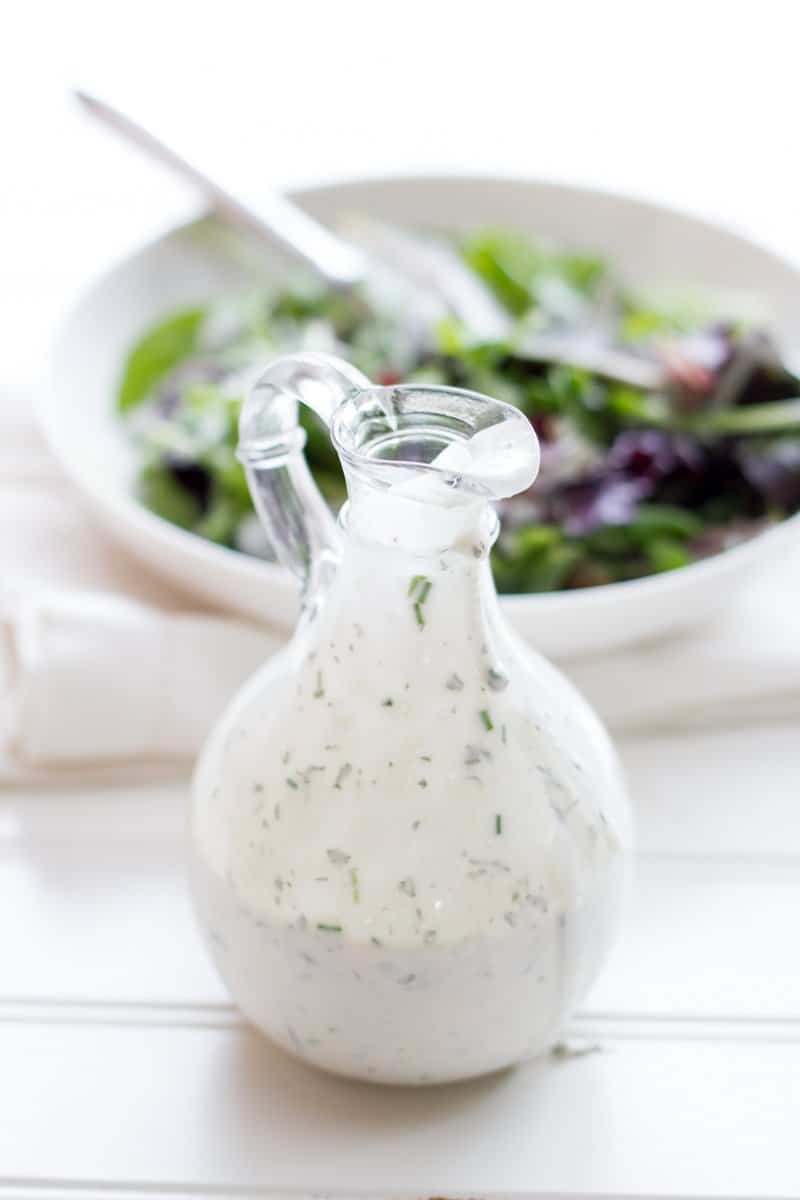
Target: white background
{"type": "Point", "coordinates": [693, 104]}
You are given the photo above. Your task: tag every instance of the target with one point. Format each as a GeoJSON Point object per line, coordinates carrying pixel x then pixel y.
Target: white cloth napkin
{"type": "Point", "coordinates": [93, 682]}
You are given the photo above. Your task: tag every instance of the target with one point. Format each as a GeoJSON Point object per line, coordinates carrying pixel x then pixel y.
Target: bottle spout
{"type": "Point", "coordinates": [493, 463]}
{"type": "Point", "coordinates": [445, 446]}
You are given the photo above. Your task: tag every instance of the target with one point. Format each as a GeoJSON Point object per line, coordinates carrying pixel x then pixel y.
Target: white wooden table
{"type": "Point", "coordinates": [126, 1072]}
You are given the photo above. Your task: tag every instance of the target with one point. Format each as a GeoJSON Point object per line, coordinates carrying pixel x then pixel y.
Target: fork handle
{"type": "Point", "coordinates": [274, 218]}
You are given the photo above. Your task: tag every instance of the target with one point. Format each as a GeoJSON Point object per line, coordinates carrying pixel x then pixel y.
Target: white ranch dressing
{"type": "Point", "coordinates": [408, 830]}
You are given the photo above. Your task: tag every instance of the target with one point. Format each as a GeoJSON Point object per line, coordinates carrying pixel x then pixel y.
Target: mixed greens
{"type": "Point", "coordinates": [667, 434]}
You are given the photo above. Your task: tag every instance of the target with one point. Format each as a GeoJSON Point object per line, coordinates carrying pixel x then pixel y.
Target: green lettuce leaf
{"type": "Point", "coordinates": [161, 349]}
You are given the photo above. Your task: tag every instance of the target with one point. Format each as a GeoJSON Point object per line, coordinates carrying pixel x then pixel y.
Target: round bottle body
{"type": "Point", "coordinates": [409, 833]}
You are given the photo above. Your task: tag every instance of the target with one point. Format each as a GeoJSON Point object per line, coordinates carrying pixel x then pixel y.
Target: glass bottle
{"type": "Point", "coordinates": [408, 830]}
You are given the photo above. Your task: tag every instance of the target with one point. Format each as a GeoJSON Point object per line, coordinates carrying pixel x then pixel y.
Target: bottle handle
{"type": "Point", "coordinates": [301, 527]}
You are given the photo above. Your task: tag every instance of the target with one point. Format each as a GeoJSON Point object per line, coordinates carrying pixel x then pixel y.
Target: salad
{"type": "Point", "coordinates": [668, 433]}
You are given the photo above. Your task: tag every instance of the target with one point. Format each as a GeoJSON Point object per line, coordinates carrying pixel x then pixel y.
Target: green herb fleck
{"type": "Point", "coordinates": [486, 720]}
{"type": "Point", "coordinates": [387, 703]}
{"type": "Point", "coordinates": [455, 683]}
{"type": "Point", "coordinates": [565, 1050]}
{"type": "Point", "coordinates": [293, 784]}
{"type": "Point", "coordinates": [475, 754]}
{"type": "Point", "coordinates": [418, 590]}
{"type": "Point", "coordinates": [328, 928]}
{"type": "Point", "coordinates": [498, 823]}
{"type": "Point", "coordinates": [319, 690]}
{"type": "Point", "coordinates": [161, 349]}
{"type": "Point", "coordinates": [342, 774]}
{"type": "Point", "coordinates": [309, 770]}
{"type": "Point", "coordinates": [426, 758]}
{"type": "Point", "coordinates": [423, 783]}
{"type": "Point", "coordinates": [496, 679]}
{"type": "Point", "coordinates": [355, 885]}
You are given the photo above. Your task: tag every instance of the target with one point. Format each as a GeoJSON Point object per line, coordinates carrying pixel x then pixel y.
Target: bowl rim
{"type": "Point", "coordinates": [126, 506]}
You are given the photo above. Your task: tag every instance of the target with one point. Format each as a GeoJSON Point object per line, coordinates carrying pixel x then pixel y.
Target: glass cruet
{"type": "Point", "coordinates": [408, 832]}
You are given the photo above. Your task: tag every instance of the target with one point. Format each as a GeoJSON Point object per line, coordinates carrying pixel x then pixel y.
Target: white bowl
{"type": "Point", "coordinates": [647, 244]}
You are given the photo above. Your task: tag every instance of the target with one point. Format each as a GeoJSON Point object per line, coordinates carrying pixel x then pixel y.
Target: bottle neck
{"type": "Point", "coordinates": [414, 604]}
{"type": "Point", "coordinates": [417, 527]}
